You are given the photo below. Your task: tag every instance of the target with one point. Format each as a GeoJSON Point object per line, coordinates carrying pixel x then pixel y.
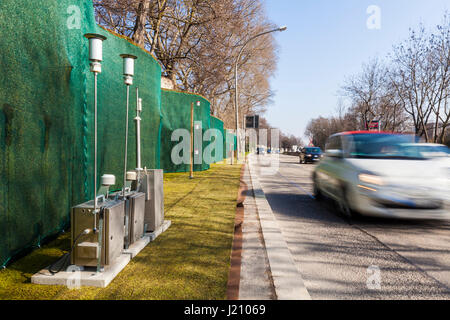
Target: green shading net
{"type": "Point", "coordinates": [46, 116]}
{"type": "Point", "coordinates": [229, 143]}
{"type": "Point", "coordinates": [218, 125]}
{"type": "Point", "coordinates": [176, 114]}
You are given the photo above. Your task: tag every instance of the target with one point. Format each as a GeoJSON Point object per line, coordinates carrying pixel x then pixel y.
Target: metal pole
{"type": "Point", "coordinates": [100, 233]}
{"type": "Point", "coordinates": [138, 133]}
{"type": "Point", "coordinates": [191, 171]}
{"type": "Point", "coordinates": [126, 144]}
{"type": "Point", "coordinates": [95, 150]}
{"type": "Point", "coordinates": [138, 140]}
{"type": "Point", "coordinates": [236, 102]}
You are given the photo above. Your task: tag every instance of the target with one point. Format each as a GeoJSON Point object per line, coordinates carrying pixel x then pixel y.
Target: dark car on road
{"type": "Point", "coordinates": [310, 155]}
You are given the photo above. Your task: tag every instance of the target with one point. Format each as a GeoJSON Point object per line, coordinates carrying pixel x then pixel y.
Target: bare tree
{"type": "Point", "coordinates": [196, 42]}
{"type": "Point", "coordinates": [367, 92]}
{"type": "Point", "coordinates": [438, 95]}
{"type": "Point", "coordinates": [409, 90]}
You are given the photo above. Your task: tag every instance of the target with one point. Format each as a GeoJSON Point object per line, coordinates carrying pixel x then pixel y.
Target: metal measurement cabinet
{"type": "Point", "coordinates": [85, 252]}
{"type": "Point", "coordinates": [134, 211]}
{"type": "Point", "coordinates": [151, 183]}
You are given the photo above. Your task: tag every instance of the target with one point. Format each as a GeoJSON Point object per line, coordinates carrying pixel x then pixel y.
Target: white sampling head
{"type": "Point", "coordinates": [128, 68]}
{"type": "Point", "coordinates": [131, 176]}
{"type": "Point", "coordinates": [95, 51]}
{"type": "Point", "coordinates": [108, 180]}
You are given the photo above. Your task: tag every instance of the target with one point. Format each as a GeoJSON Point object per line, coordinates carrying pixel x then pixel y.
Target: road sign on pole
{"type": "Point", "coordinates": [252, 122]}
{"type": "Point", "coordinates": [373, 125]}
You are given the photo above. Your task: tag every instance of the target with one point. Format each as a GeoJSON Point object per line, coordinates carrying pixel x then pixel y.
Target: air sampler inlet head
{"type": "Point", "coordinates": [95, 51]}
{"type": "Point", "coordinates": [108, 180]}
{"type": "Point", "coordinates": [128, 68]}
{"type": "Point", "coordinates": [131, 176]}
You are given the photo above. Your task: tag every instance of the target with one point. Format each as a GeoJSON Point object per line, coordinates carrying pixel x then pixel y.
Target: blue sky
{"type": "Point", "coordinates": [327, 41]}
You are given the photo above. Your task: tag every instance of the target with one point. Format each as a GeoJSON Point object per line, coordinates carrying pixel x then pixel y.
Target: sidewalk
{"type": "Point", "coordinates": [256, 282]}
{"type": "Point", "coordinates": [268, 270]}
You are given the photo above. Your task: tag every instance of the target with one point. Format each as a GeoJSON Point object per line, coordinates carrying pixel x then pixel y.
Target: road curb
{"type": "Point", "coordinates": [287, 279]}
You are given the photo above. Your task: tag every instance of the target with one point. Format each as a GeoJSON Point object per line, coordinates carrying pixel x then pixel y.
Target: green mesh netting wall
{"type": "Point", "coordinates": [46, 115]}
{"type": "Point", "coordinates": [176, 114]}
{"type": "Point", "coordinates": [229, 143]}
{"type": "Point", "coordinates": [112, 110]}
{"type": "Point", "coordinates": [218, 125]}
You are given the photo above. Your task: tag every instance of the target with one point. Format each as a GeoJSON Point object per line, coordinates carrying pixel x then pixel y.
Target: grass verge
{"type": "Point", "coordinates": [190, 260]}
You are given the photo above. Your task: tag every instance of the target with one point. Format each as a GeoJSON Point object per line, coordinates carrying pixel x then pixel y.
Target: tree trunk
{"type": "Point", "coordinates": [141, 20]}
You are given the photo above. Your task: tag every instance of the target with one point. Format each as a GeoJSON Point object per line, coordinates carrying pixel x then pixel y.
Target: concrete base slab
{"type": "Point", "coordinates": [76, 276]}
{"type": "Point", "coordinates": [153, 235]}
{"type": "Point", "coordinates": [134, 249]}
{"type": "Point", "coordinates": [137, 247]}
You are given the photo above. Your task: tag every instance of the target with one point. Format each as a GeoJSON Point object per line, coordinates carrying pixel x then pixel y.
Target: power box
{"type": "Point", "coordinates": [85, 252]}
{"type": "Point", "coordinates": [134, 211]}
{"type": "Point", "coordinates": [152, 184]}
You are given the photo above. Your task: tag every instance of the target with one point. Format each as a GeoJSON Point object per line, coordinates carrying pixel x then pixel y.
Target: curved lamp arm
{"type": "Point", "coordinates": [236, 103]}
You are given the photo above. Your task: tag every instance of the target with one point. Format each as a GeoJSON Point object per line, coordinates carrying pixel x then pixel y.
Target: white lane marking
{"type": "Point", "coordinates": [298, 186]}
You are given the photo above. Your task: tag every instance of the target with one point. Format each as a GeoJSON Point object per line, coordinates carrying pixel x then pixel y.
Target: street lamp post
{"type": "Point", "coordinates": [236, 100]}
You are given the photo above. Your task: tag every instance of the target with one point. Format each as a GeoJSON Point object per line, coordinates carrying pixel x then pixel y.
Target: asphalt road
{"type": "Point", "coordinates": [340, 258]}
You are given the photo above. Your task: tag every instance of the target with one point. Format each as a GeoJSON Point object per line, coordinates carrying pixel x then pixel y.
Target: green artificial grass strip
{"type": "Point", "coordinates": [190, 260]}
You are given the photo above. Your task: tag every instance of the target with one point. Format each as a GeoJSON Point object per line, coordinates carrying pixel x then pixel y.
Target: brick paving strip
{"type": "Point", "coordinates": [234, 276]}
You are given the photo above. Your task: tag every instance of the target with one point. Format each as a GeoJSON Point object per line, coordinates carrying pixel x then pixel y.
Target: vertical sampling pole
{"type": "Point", "coordinates": [191, 171]}
{"type": "Point", "coordinates": [128, 73]}
{"type": "Point", "coordinates": [126, 144]}
{"type": "Point", "coordinates": [138, 137]}
{"type": "Point", "coordinates": [96, 57]}
{"type": "Point", "coordinates": [95, 149]}
{"type": "Point", "coordinates": [100, 231]}
{"type": "Point", "coordinates": [99, 245]}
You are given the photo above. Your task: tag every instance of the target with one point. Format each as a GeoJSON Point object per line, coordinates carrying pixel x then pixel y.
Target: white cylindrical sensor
{"type": "Point", "coordinates": [95, 46]}
{"type": "Point", "coordinates": [108, 180]}
{"type": "Point", "coordinates": [128, 64]}
{"type": "Point", "coordinates": [95, 49]}
{"type": "Point", "coordinates": [139, 106]}
{"type": "Point", "coordinates": [131, 176]}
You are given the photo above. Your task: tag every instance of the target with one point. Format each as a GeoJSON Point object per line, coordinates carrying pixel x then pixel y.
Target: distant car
{"type": "Point", "coordinates": [260, 151]}
{"type": "Point", "coordinates": [386, 175]}
{"type": "Point", "coordinates": [310, 155]}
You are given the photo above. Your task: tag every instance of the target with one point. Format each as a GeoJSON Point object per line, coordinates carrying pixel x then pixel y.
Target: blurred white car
{"type": "Point", "coordinates": [386, 175]}
{"type": "Point", "coordinates": [428, 150]}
